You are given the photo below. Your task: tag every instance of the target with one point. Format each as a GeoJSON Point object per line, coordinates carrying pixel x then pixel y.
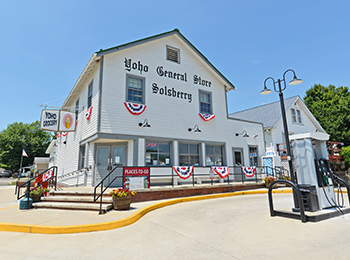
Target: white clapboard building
{"type": "Point", "coordinates": [153, 102]}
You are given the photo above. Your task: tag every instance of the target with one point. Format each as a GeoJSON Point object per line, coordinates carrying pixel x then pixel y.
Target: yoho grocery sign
{"type": "Point", "coordinates": [57, 121]}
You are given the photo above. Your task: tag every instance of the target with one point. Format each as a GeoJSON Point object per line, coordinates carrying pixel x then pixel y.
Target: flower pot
{"type": "Point", "coordinates": [36, 197]}
{"type": "Point", "coordinates": [267, 184]}
{"type": "Point", "coordinates": [122, 203]}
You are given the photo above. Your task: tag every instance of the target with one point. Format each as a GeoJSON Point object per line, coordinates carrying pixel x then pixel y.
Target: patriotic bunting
{"type": "Point", "coordinates": [183, 172]}
{"type": "Point", "coordinates": [88, 113]}
{"type": "Point", "coordinates": [135, 109]}
{"type": "Point", "coordinates": [58, 135]}
{"type": "Point", "coordinates": [47, 175]}
{"type": "Point", "coordinates": [249, 171]}
{"type": "Point", "coordinates": [223, 172]}
{"type": "Point", "coordinates": [206, 117]}
{"type": "Point", "coordinates": [64, 133]}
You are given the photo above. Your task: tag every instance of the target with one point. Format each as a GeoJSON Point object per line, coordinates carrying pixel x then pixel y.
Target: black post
{"type": "Point", "coordinates": [286, 133]}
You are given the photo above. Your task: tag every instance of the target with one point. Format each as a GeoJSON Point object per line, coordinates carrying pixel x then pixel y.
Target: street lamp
{"type": "Point", "coordinates": [294, 81]}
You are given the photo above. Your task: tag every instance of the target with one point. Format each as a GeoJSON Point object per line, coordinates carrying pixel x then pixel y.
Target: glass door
{"type": "Point", "coordinates": [237, 163]}
{"type": "Point", "coordinates": [107, 158]}
{"type": "Point", "coordinates": [102, 164]}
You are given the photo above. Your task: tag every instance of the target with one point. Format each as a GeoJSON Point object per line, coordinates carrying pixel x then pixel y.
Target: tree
{"type": "Point", "coordinates": [19, 136]}
{"type": "Point", "coordinates": [331, 107]}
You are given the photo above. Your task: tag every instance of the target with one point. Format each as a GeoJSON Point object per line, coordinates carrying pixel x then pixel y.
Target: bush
{"type": "Point", "coordinates": [346, 155]}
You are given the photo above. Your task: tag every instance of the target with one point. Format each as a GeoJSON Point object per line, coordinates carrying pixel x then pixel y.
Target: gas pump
{"type": "Point", "coordinates": [313, 171]}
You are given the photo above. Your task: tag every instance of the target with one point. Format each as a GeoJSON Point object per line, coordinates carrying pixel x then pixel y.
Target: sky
{"type": "Point", "coordinates": [46, 44]}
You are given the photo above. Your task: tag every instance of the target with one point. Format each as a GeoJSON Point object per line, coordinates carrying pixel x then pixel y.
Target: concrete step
{"type": "Point", "coordinates": [72, 206]}
{"type": "Point", "coordinates": [76, 193]}
{"type": "Point", "coordinates": [76, 199]}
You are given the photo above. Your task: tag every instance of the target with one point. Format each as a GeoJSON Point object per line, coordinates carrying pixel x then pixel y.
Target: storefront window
{"type": "Point", "coordinates": [157, 153]}
{"type": "Point", "coordinates": [214, 155]}
{"type": "Point", "coordinates": [253, 155]}
{"type": "Point", "coordinates": [189, 154]}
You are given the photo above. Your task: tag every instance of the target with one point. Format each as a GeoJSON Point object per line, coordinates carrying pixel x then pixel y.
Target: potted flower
{"type": "Point", "coordinates": [268, 180]}
{"type": "Point", "coordinates": [37, 193]}
{"type": "Point", "coordinates": [287, 178]}
{"type": "Point", "coordinates": [121, 198]}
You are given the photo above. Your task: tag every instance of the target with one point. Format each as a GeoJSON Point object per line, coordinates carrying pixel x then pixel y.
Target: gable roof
{"type": "Point", "coordinates": [95, 58]}
{"type": "Point", "coordinates": [267, 114]}
{"type": "Point", "coordinates": [165, 34]}
{"type": "Point", "coordinates": [270, 114]}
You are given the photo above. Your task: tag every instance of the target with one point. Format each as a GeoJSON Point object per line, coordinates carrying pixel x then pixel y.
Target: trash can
{"type": "Point", "coordinates": [23, 203]}
{"type": "Point", "coordinates": [309, 197]}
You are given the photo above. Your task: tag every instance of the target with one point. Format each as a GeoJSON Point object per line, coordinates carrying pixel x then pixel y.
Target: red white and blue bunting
{"type": "Point", "coordinates": [206, 117]}
{"type": "Point", "coordinates": [135, 109]}
{"type": "Point", "coordinates": [223, 172]}
{"type": "Point", "coordinates": [47, 175]}
{"type": "Point", "coordinates": [88, 113]}
{"type": "Point", "coordinates": [249, 171]}
{"type": "Point", "coordinates": [183, 172]}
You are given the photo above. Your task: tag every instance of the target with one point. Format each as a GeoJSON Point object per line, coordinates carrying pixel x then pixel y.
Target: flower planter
{"type": "Point", "coordinates": [35, 197]}
{"type": "Point", "coordinates": [122, 203]}
{"type": "Point", "coordinates": [267, 184]}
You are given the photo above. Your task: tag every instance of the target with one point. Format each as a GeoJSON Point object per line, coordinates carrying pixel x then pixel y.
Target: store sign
{"type": "Point", "coordinates": [136, 171]}
{"type": "Point", "coordinates": [57, 121]}
{"type": "Point", "coordinates": [136, 178]}
{"type": "Point", "coordinates": [49, 120]}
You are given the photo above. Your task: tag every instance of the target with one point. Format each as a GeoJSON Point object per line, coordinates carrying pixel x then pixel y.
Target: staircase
{"type": "Point", "coordinates": [74, 200]}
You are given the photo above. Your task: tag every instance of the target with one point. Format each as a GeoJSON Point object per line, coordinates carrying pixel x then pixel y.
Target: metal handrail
{"type": "Point", "coordinates": [74, 172]}
{"type": "Point", "coordinates": [297, 194]}
{"type": "Point", "coordinates": [27, 183]}
{"type": "Point", "coordinates": [103, 190]}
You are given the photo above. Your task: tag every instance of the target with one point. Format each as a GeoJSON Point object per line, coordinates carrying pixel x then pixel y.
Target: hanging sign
{"type": "Point", "coordinates": [135, 109]}
{"type": "Point", "coordinates": [67, 122]}
{"type": "Point", "coordinates": [206, 117]}
{"type": "Point", "coordinates": [49, 120]}
{"type": "Point", "coordinates": [183, 172]}
{"type": "Point", "coordinates": [249, 171]}
{"type": "Point", "coordinates": [223, 172]}
{"type": "Point", "coordinates": [57, 121]}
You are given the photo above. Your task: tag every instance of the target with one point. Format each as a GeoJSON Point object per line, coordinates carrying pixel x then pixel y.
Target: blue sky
{"type": "Point", "coordinates": [46, 44]}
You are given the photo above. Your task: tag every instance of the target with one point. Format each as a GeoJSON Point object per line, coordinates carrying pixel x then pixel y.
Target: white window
{"type": "Point", "coordinates": [76, 109]}
{"type": "Point", "coordinates": [89, 100]}
{"type": "Point", "coordinates": [135, 89]}
{"type": "Point", "coordinates": [189, 154]}
{"type": "Point", "coordinates": [296, 116]}
{"type": "Point", "coordinates": [253, 155]}
{"type": "Point", "coordinates": [214, 155]}
{"type": "Point", "coordinates": [173, 54]}
{"type": "Point", "coordinates": [157, 153]}
{"type": "Point", "coordinates": [205, 102]}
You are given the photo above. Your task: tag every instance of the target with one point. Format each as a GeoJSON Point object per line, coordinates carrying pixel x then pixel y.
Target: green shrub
{"type": "Point", "coordinates": [346, 155]}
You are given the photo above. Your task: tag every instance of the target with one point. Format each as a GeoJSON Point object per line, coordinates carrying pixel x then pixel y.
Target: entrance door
{"type": "Point", "coordinates": [238, 163]}
{"type": "Point", "coordinates": [107, 158]}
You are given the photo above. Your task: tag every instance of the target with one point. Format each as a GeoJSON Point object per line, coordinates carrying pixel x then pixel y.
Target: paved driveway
{"type": "Point", "coordinates": [226, 228]}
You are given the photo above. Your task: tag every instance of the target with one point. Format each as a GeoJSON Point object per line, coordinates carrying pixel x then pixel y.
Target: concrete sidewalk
{"type": "Point", "coordinates": [234, 227]}
{"type": "Point", "coordinates": [75, 221]}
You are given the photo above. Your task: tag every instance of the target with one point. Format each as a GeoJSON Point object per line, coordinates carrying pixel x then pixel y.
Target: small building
{"type": "Point", "coordinates": [155, 102]}
{"type": "Point", "coordinates": [299, 120]}
{"type": "Point", "coordinates": [40, 164]}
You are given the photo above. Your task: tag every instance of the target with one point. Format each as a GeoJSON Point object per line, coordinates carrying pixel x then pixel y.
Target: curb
{"type": "Point", "coordinates": [41, 229]}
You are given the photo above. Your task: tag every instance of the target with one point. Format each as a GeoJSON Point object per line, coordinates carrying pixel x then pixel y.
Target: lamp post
{"type": "Point", "coordinates": [280, 89]}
